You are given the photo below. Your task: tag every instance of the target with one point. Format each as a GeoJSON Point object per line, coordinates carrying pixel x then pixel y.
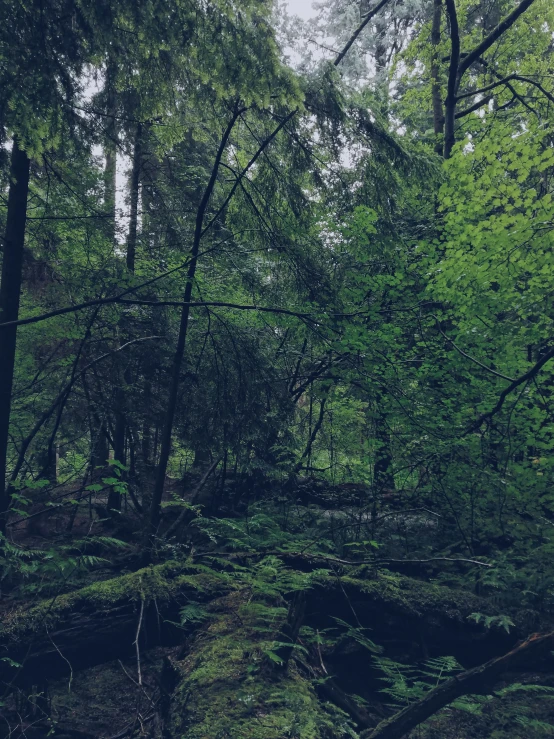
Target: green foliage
{"type": "Point", "coordinates": [500, 622]}
{"type": "Point", "coordinates": [406, 684]}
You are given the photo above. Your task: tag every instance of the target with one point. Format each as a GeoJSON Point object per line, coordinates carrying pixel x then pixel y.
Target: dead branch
{"type": "Point", "coordinates": [477, 680]}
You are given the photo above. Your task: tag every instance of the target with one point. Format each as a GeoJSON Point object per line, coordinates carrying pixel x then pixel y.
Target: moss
{"type": "Point", "coordinates": [413, 597]}
{"type": "Point", "coordinates": [161, 583]}
{"type": "Point", "coordinates": [229, 691]}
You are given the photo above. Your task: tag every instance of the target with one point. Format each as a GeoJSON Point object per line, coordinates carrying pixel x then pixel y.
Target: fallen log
{"type": "Point", "coordinates": [477, 680]}
{"type": "Point", "coordinates": [99, 623]}
{"type": "Point", "coordinates": [231, 687]}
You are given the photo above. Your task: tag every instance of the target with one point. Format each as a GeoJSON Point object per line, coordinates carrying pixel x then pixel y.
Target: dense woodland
{"type": "Point", "coordinates": [276, 377]}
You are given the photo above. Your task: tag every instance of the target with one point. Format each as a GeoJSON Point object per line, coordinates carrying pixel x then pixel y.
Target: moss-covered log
{"type": "Point", "coordinates": [99, 622]}
{"type": "Point", "coordinates": [228, 663]}
{"type": "Point", "coordinates": [229, 687]}
{"type": "Point", "coordinates": [414, 618]}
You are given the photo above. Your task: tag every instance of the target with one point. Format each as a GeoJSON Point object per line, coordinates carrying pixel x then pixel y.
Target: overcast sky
{"type": "Point", "coordinates": [303, 8]}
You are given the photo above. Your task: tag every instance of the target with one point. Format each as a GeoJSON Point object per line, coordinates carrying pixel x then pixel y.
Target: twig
{"type": "Point", "coordinates": [349, 562]}
{"type": "Point", "coordinates": [136, 642]}
{"type": "Point", "coordinates": [319, 653]}
{"type": "Point", "coordinates": [64, 659]}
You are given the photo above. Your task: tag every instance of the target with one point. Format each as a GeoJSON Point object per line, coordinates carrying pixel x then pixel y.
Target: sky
{"type": "Point", "coordinates": [303, 8]}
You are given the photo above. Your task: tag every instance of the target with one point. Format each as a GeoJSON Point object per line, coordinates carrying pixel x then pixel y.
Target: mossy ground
{"type": "Point", "coordinates": [521, 715]}
{"type": "Point", "coordinates": [229, 687]}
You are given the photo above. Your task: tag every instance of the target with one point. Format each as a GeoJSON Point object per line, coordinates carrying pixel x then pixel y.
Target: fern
{"type": "Point", "coordinates": [501, 622]}
{"type": "Point", "coordinates": [193, 613]}
{"type": "Point", "coordinates": [533, 723]}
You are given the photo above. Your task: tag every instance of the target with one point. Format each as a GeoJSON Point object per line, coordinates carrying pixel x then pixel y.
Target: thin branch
{"type": "Point", "coordinates": [136, 642]}
{"type": "Point", "coordinates": [371, 14]}
{"type": "Point", "coordinates": [501, 28]}
{"type": "Point", "coordinates": [239, 178]}
{"type": "Point", "coordinates": [473, 108]}
{"type": "Point", "coordinates": [533, 372]}
{"type": "Point", "coordinates": [348, 562]}
{"type": "Point", "coordinates": [472, 359]}
{"type": "Point", "coordinates": [504, 81]}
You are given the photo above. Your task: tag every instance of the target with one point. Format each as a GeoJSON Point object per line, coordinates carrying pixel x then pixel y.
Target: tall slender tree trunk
{"type": "Point", "coordinates": [167, 430]}
{"type": "Point", "coordinates": [10, 289]}
{"type": "Point", "coordinates": [438, 110]}
{"type": "Point", "coordinates": [110, 152]}
{"type": "Point", "coordinates": [120, 428]}
{"type": "Point", "coordinates": [383, 474]}
{"type": "Point", "coordinates": [134, 198]}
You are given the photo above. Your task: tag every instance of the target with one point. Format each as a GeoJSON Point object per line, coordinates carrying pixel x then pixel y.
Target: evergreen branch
{"type": "Point", "coordinates": [252, 161]}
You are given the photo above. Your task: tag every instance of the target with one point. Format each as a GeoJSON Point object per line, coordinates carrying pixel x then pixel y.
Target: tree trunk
{"type": "Point", "coordinates": [110, 152]}
{"type": "Point", "coordinates": [383, 475]}
{"type": "Point", "coordinates": [10, 288]}
{"type": "Point", "coordinates": [181, 341]}
{"type": "Point", "coordinates": [134, 197]}
{"type": "Point", "coordinates": [438, 111]}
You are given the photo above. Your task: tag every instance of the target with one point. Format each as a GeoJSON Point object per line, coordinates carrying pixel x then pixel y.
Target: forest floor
{"type": "Point", "coordinates": [196, 644]}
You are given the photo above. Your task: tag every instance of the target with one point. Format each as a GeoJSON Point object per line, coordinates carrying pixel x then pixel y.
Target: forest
{"type": "Point", "coordinates": [276, 369]}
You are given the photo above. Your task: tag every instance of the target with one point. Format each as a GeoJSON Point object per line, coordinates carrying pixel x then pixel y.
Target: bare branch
{"type": "Point", "coordinates": [473, 108]}
{"type": "Point", "coordinates": [477, 680]}
{"type": "Point", "coordinates": [532, 373]}
{"type": "Point", "coordinates": [371, 14]}
{"type": "Point", "coordinates": [500, 29]}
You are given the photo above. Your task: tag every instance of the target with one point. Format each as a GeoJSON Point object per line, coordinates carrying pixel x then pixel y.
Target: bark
{"type": "Point", "coordinates": [453, 80]}
{"type": "Point", "coordinates": [291, 627]}
{"type": "Point", "coordinates": [101, 448]}
{"type": "Point", "coordinates": [134, 197]}
{"type": "Point", "coordinates": [10, 288]}
{"type": "Point", "coordinates": [308, 450]}
{"type": "Point", "coordinates": [146, 436]}
{"type": "Point", "coordinates": [119, 437]}
{"type": "Point", "coordinates": [110, 151]}
{"type": "Point", "coordinates": [438, 111]}
{"type": "Point", "coordinates": [383, 475]}
{"type": "Point", "coordinates": [477, 680]}
{"type": "Point", "coordinates": [120, 429]}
